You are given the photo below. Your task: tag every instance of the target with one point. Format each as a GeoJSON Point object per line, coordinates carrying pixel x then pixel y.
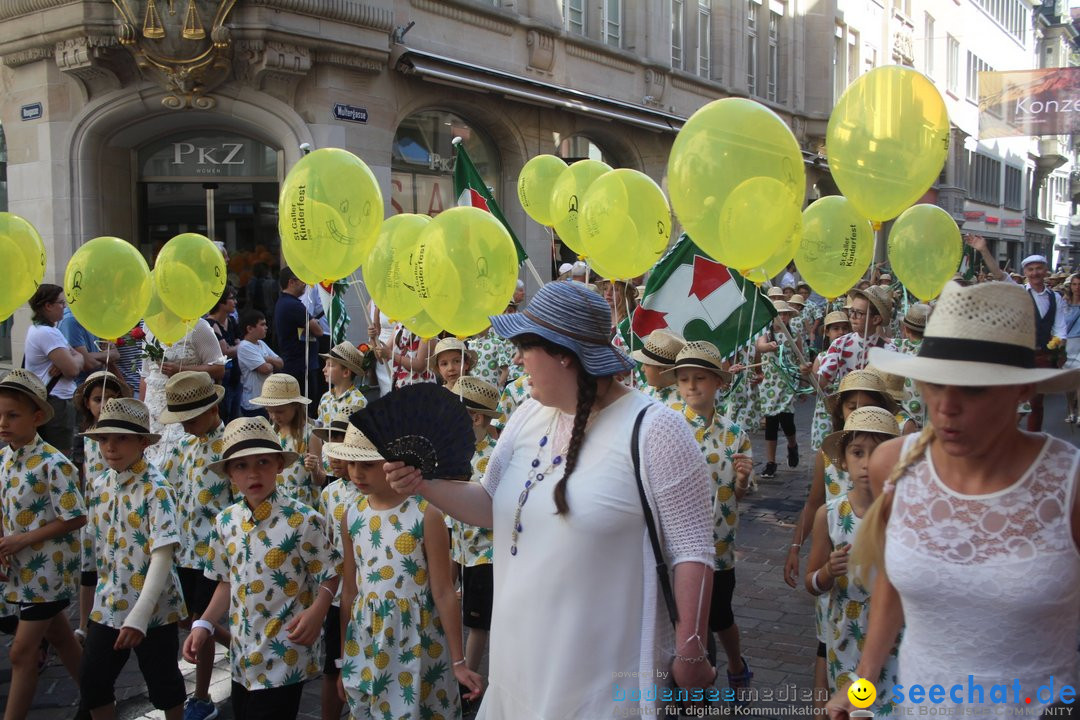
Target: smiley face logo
{"type": "Point", "coordinates": [862, 693]}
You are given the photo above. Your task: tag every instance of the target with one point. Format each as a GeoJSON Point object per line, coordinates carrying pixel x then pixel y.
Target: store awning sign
{"type": "Point", "coordinates": [1029, 102]}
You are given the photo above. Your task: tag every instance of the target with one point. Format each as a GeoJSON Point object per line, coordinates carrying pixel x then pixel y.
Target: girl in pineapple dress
{"type": "Point", "coordinates": [742, 403]}
{"type": "Point", "coordinates": [403, 654]}
{"type": "Point", "coordinates": [287, 409]}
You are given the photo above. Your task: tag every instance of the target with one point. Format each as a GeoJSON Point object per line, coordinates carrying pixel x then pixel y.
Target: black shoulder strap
{"type": "Point", "coordinates": [661, 566]}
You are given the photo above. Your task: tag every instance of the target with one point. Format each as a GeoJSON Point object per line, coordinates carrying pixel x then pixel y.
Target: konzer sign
{"type": "Point", "coordinates": [1029, 102]}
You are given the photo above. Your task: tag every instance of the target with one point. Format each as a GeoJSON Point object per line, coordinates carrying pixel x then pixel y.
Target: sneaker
{"type": "Point", "coordinates": [196, 709]}
{"type": "Point", "coordinates": [769, 471]}
{"type": "Point", "coordinates": [739, 681]}
{"type": "Point", "coordinates": [793, 456]}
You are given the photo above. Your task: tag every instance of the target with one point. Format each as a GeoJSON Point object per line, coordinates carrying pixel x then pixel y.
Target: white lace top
{"type": "Point", "coordinates": [990, 584]}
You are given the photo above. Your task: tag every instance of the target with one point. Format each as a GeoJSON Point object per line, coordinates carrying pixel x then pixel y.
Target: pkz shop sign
{"type": "Point", "coordinates": [1029, 102]}
{"type": "Point", "coordinates": [208, 155]}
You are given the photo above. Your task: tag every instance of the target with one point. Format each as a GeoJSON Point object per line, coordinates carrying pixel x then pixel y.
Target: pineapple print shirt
{"type": "Point", "coordinates": [337, 497]}
{"type": "Point", "coordinates": [133, 515]}
{"type": "Point", "coordinates": [345, 404]}
{"type": "Point", "coordinates": [295, 480]}
{"type": "Point", "coordinates": [95, 467]}
{"type": "Point", "coordinates": [274, 558]}
{"type": "Point", "coordinates": [719, 441]}
{"type": "Point", "coordinates": [665, 396]}
{"type": "Point", "coordinates": [200, 493]}
{"type": "Point", "coordinates": [473, 545]}
{"type": "Point", "coordinates": [512, 396]}
{"type": "Point", "coordinates": [40, 485]}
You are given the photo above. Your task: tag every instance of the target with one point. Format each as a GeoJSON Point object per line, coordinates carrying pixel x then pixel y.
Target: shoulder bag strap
{"type": "Point", "coordinates": [661, 566]}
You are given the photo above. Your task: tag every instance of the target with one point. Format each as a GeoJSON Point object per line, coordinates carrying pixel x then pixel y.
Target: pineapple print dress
{"type": "Point", "coordinates": [741, 402]}
{"type": "Point", "coordinates": [295, 481]}
{"type": "Point", "coordinates": [777, 389]}
{"type": "Point", "coordinates": [513, 395]}
{"type": "Point", "coordinates": [472, 545]}
{"type": "Point", "coordinates": [396, 661]}
{"type": "Point", "coordinates": [837, 486]}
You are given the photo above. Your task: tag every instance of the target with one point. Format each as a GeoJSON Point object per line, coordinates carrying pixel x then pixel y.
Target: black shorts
{"type": "Point", "coordinates": [197, 590]}
{"type": "Point", "coordinates": [42, 611]}
{"type": "Point", "coordinates": [721, 616]}
{"type": "Point", "coordinates": [157, 654]}
{"type": "Point", "coordinates": [278, 703]}
{"type": "Point", "coordinates": [88, 578]}
{"type": "Point", "coordinates": [477, 590]}
{"type": "Point", "coordinates": [821, 650]}
{"type": "Point", "coordinates": [332, 640]}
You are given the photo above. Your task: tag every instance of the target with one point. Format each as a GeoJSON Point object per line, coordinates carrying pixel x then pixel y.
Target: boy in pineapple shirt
{"type": "Point", "coordinates": [137, 602]}
{"type": "Point", "coordinates": [40, 548]}
{"type": "Point", "coordinates": [344, 363]}
{"type": "Point", "coordinates": [193, 400]}
{"type": "Point", "coordinates": [276, 578]}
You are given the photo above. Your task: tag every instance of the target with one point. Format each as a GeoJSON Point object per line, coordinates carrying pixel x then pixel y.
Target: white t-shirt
{"type": "Point", "coordinates": [251, 355]}
{"type": "Point", "coordinates": [40, 341]}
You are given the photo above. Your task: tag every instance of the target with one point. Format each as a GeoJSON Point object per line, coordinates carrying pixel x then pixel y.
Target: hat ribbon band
{"type": "Point", "coordinates": [192, 405]}
{"type": "Point", "coordinates": [267, 445]}
{"type": "Point", "coordinates": [338, 356]}
{"type": "Point", "coordinates": [104, 425]}
{"type": "Point", "coordinates": [942, 348]}
{"type": "Point", "coordinates": [655, 356]}
{"type": "Point", "coordinates": [591, 339]}
{"type": "Point", "coordinates": [697, 362]}
{"type": "Point", "coordinates": [474, 405]}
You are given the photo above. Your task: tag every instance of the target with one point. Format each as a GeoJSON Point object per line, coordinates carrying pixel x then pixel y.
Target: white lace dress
{"type": "Point", "coordinates": [990, 584]}
{"type": "Point", "coordinates": [576, 610]}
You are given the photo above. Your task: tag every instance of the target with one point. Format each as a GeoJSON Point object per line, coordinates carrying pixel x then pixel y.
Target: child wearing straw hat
{"type": "Point", "coordinates": [193, 400]}
{"type": "Point", "coordinates": [835, 525]}
{"type": "Point", "coordinates": [779, 387]}
{"type": "Point", "coordinates": [654, 358]}
{"type": "Point", "coordinates": [137, 604]}
{"type": "Point", "coordinates": [281, 397]}
{"type": "Point", "coordinates": [275, 574]}
{"type": "Point", "coordinates": [344, 363]}
{"type": "Point", "coordinates": [41, 511]}
{"type": "Point", "coordinates": [699, 372]}
{"type": "Point", "coordinates": [451, 359]}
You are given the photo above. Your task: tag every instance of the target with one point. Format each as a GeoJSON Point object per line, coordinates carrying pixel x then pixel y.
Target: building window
{"type": "Point", "coordinates": [975, 65]}
{"type": "Point", "coordinates": [613, 23]}
{"type": "Point", "coordinates": [774, 55]}
{"type": "Point", "coordinates": [839, 71]}
{"type": "Point", "coordinates": [953, 70]}
{"type": "Point", "coordinates": [704, 39]}
{"type": "Point", "coordinates": [752, 13]}
{"type": "Point", "coordinates": [1012, 15]}
{"type": "Point", "coordinates": [574, 16]}
{"type": "Point", "coordinates": [852, 57]}
{"type": "Point", "coordinates": [677, 19]}
{"type": "Point", "coordinates": [984, 183]}
{"type": "Point", "coordinates": [928, 48]}
{"type": "Point", "coordinates": [1014, 178]}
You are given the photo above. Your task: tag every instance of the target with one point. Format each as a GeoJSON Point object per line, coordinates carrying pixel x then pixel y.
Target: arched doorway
{"type": "Point", "coordinates": [581, 147]}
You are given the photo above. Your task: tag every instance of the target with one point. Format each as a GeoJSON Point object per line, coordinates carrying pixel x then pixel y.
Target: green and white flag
{"type": "Point", "coordinates": [332, 296]}
{"type": "Point", "coordinates": [697, 298]}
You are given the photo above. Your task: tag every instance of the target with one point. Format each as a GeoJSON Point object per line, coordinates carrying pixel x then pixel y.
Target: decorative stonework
{"type": "Point", "coordinates": [655, 86]}
{"type": "Point", "coordinates": [25, 57]}
{"type": "Point", "coordinates": [14, 8]}
{"type": "Point", "coordinates": [587, 53]}
{"type": "Point", "coordinates": [346, 11]}
{"type": "Point", "coordinates": [81, 58]}
{"type": "Point", "coordinates": [360, 62]}
{"type": "Point", "coordinates": [447, 8]}
{"type": "Point", "coordinates": [541, 50]}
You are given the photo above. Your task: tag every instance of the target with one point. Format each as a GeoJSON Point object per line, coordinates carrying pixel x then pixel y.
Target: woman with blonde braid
{"type": "Point", "coordinates": [975, 530]}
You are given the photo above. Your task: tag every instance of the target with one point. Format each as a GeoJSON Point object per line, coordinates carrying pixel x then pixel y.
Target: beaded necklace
{"type": "Point", "coordinates": [534, 478]}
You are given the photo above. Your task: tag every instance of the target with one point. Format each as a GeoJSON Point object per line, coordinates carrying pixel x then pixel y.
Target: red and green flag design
{"type": "Point", "coordinates": [697, 298]}
{"type": "Point", "coordinates": [471, 190]}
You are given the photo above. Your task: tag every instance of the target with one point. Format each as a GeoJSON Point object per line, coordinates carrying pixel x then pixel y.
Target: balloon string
{"type": "Point", "coordinates": [630, 343]}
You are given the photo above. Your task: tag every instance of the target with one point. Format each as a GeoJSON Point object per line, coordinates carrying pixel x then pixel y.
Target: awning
{"type": "Point", "coordinates": [444, 70]}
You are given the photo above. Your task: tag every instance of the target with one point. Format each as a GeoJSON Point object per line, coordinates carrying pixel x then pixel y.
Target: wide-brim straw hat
{"type": "Point", "coordinates": [451, 344]}
{"type": "Point", "coordinates": [30, 385]}
{"type": "Point", "coordinates": [782, 307]}
{"type": "Point", "coordinates": [865, 419]}
{"type": "Point", "coordinates": [797, 299]}
{"type": "Point", "coordinates": [866, 380]}
{"type": "Point", "coordinates": [776, 292]}
{"type": "Point", "coordinates": [335, 431]}
{"type": "Point", "coordinates": [348, 355]}
{"type": "Point", "coordinates": [478, 395]}
{"type": "Point", "coordinates": [837, 317]}
{"type": "Point", "coordinates": [188, 394]}
{"type": "Point", "coordinates": [355, 448]}
{"type": "Point", "coordinates": [248, 436]}
{"type": "Point", "coordinates": [880, 298]}
{"type": "Point", "coordinates": [123, 416]}
{"type": "Point", "coordinates": [915, 317]}
{"type": "Point", "coordinates": [101, 378]}
{"type": "Point", "coordinates": [701, 354]}
{"type": "Point", "coordinates": [660, 349]}
{"type": "Point", "coordinates": [978, 336]}
{"type": "Point", "coordinates": [280, 389]}
{"type": "Point", "coordinates": [571, 316]}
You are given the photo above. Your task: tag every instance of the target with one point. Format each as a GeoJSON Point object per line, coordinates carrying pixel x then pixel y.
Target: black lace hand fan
{"type": "Point", "coordinates": [423, 425]}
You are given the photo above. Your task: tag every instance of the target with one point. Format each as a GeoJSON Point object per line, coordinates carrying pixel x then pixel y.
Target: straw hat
{"type": "Point", "coordinates": [701, 354]}
{"type": "Point", "coordinates": [280, 389]}
{"type": "Point", "coordinates": [880, 298]}
{"type": "Point", "coordinates": [478, 395]}
{"type": "Point", "coordinates": [865, 419]}
{"type": "Point", "coordinates": [915, 317]}
{"type": "Point", "coordinates": [335, 431]}
{"type": "Point", "coordinates": [894, 384]}
{"type": "Point", "coordinates": [346, 354]}
{"type": "Point", "coordinates": [355, 448]}
{"type": "Point", "coordinates": [101, 378]}
{"type": "Point", "coordinates": [797, 299]}
{"type": "Point", "coordinates": [123, 416]}
{"type": "Point", "coordinates": [977, 336]}
{"type": "Point", "coordinates": [189, 394]}
{"type": "Point", "coordinates": [783, 307]}
{"type": "Point", "coordinates": [837, 317]}
{"type": "Point", "coordinates": [886, 277]}
{"type": "Point", "coordinates": [451, 344]}
{"type": "Point", "coordinates": [247, 436]}
{"type": "Point", "coordinates": [861, 380]}
{"type": "Point", "coordinates": [660, 349]}
{"type": "Point", "coordinates": [27, 383]}
{"type": "Point", "coordinates": [776, 292]}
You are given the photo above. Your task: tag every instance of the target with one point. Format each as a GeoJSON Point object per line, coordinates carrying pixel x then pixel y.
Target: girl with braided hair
{"type": "Point", "coordinates": [578, 626]}
{"type": "Point", "coordinates": [972, 544]}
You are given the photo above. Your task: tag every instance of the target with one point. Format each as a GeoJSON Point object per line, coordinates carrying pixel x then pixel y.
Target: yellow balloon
{"type": "Point", "coordinates": [887, 140]}
{"type": "Point", "coordinates": [774, 265]}
{"type": "Point", "coordinates": [166, 325]}
{"type": "Point", "coordinates": [535, 185]}
{"type": "Point", "coordinates": [107, 286]}
{"type": "Point", "coordinates": [421, 324]}
{"type": "Point", "coordinates": [390, 270]}
{"type": "Point", "coordinates": [925, 250]}
{"type": "Point", "coordinates": [566, 199]}
{"type": "Point", "coordinates": [330, 211]}
{"type": "Point", "coordinates": [837, 246]}
{"type": "Point", "coordinates": [189, 275]}
{"type": "Point", "coordinates": [758, 221]}
{"type": "Point", "coordinates": [466, 269]}
{"type": "Point", "coordinates": [625, 223]}
{"type": "Point", "coordinates": [22, 257]}
{"type": "Point", "coordinates": [723, 145]}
